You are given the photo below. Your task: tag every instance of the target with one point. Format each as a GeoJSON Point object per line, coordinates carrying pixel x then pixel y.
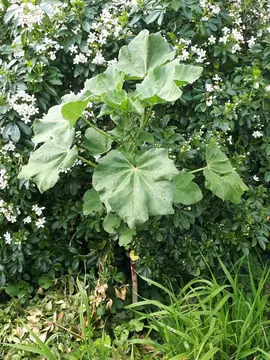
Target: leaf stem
{"type": "Point", "coordinates": [197, 170]}
{"type": "Point", "coordinates": [96, 128]}
{"type": "Point", "coordinates": [88, 162]}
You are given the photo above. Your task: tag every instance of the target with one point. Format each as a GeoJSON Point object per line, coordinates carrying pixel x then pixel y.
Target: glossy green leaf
{"type": "Point", "coordinates": [220, 176]}
{"type": "Point", "coordinates": [91, 202]}
{"type": "Point", "coordinates": [46, 163]}
{"type": "Point", "coordinates": [96, 143]}
{"type": "Point", "coordinates": [162, 84]}
{"type": "Point", "coordinates": [111, 223]}
{"type": "Point", "coordinates": [145, 52]}
{"type": "Point", "coordinates": [185, 190]}
{"type": "Point", "coordinates": [136, 191]}
{"type": "Point", "coordinates": [111, 79]}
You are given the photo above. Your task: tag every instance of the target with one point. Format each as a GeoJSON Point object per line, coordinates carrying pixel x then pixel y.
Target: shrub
{"type": "Point", "coordinates": [229, 103]}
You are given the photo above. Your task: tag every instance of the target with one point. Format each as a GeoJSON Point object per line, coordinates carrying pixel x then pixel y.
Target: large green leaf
{"type": "Point", "coordinates": [48, 161]}
{"type": "Point", "coordinates": [145, 52]}
{"type": "Point", "coordinates": [220, 176]}
{"type": "Point", "coordinates": [54, 125]}
{"type": "Point", "coordinates": [111, 79]}
{"type": "Point", "coordinates": [96, 143]}
{"type": "Point", "coordinates": [162, 83]}
{"type": "Point", "coordinates": [91, 202]}
{"type": "Point", "coordinates": [136, 192]}
{"type": "Point", "coordinates": [185, 190]}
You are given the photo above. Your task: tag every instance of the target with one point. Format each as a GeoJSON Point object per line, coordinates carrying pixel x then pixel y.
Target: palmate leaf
{"type": "Point", "coordinates": [96, 143]}
{"type": "Point", "coordinates": [98, 86]}
{"type": "Point", "coordinates": [145, 52]}
{"type": "Point", "coordinates": [162, 83]}
{"type": "Point", "coordinates": [220, 176]}
{"type": "Point", "coordinates": [48, 161]}
{"type": "Point", "coordinates": [54, 125]}
{"type": "Point", "coordinates": [185, 190]}
{"type": "Point", "coordinates": [136, 192]}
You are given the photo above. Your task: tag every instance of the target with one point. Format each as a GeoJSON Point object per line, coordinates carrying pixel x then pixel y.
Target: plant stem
{"type": "Point", "coordinates": [134, 280]}
{"type": "Point", "coordinates": [96, 128]}
{"type": "Point", "coordinates": [87, 161]}
{"type": "Point", "coordinates": [197, 170]}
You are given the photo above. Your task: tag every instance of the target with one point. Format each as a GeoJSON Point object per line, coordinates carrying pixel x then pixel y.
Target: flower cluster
{"type": "Point", "coordinates": [28, 15]}
{"type": "Point", "coordinates": [209, 9]}
{"type": "Point", "coordinates": [9, 211]}
{"type": "Point", "coordinates": [24, 105]}
{"type": "Point", "coordinates": [3, 179]}
{"type": "Point", "coordinates": [39, 212]}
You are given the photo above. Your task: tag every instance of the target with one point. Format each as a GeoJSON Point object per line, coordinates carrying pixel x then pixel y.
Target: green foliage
{"type": "Point", "coordinates": [134, 186]}
{"type": "Point", "coordinates": [211, 318]}
{"type": "Point", "coordinates": [228, 103]}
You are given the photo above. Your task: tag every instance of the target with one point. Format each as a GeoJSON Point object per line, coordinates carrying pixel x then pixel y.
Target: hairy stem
{"type": "Point", "coordinates": [134, 280]}
{"type": "Point", "coordinates": [96, 128]}
{"type": "Point", "coordinates": [197, 170]}
{"type": "Point", "coordinates": [88, 162]}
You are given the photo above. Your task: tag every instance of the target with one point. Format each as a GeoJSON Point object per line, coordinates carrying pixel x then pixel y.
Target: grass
{"type": "Point", "coordinates": [210, 319]}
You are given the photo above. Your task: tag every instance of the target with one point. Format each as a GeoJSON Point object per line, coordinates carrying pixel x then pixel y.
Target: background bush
{"type": "Point", "coordinates": [50, 47]}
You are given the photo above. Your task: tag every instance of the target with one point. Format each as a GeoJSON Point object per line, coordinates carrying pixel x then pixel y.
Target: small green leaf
{"type": "Point", "coordinates": [91, 202]}
{"type": "Point", "coordinates": [73, 110]}
{"type": "Point", "coordinates": [96, 143]}
{"type": "Point", "coordinates": [111, 223]}
{"type": "Point", "coordinates": [220, 176]}
{"type": "Point", "coordinates": [145, 52]}
{"type": "Point", "coordinates": [48, 161]}
{"type": "Point", "coordinates": [136, 191]}
{"type": "Point", "coordinates": [125, 236]}
{"type": "Point", "coordinates": [185, 190]}
{"type": "Point", "coordinates": [117, 99]}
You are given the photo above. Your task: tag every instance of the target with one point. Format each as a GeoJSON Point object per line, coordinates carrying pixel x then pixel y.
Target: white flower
{"type": "Point", "coordinates": [40, 223]}
{"type": "Point", "coordinates": [184, 56]}
{"type": "Point", "coordinates": [209, 87]}
{"type": "Point", "coordinates": [237, 35]}
{"type": "Point", "coordinates": [7, 238]}
{"type": "Point", "coordinates": [257, 134]}
{"type": "Point", "coordinates": [29, 15]}
{"type": "Point", "coordinates": [38, 210]}
{"type": "Point", "coordinates": [52, 55]}
{"type": "Point", "coordinates": [3, 179]}
{"type": "Point", "coordinates": [229, 139]}
{"type": "Point", "coordinates": [267, 88]}
{"type": "Point", "coordinates": [73, 49]}
{"type": "Point", "coordinates": [212, 39]}
{"type": "Point", "coordinates": [235, 48]}
{"type": "Point", "coordinates": [99, 59]}
{"type": "Point", "coordinates": [255, 178]}
{"type": "Point", "coordinates": [80, 58]}
{"type": "Point", "coordinates": [209, 101]}
{"type": "Point", "coordinates": [216, 78]}
{"type": "Point", "coordinates": [224, 39]}
{"type": "Point", "coordinates": [251, 41]}
{"type": "Point", "coordinates": [24, 105]}
{"type": "Point", "coordinates": [27, 220]}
